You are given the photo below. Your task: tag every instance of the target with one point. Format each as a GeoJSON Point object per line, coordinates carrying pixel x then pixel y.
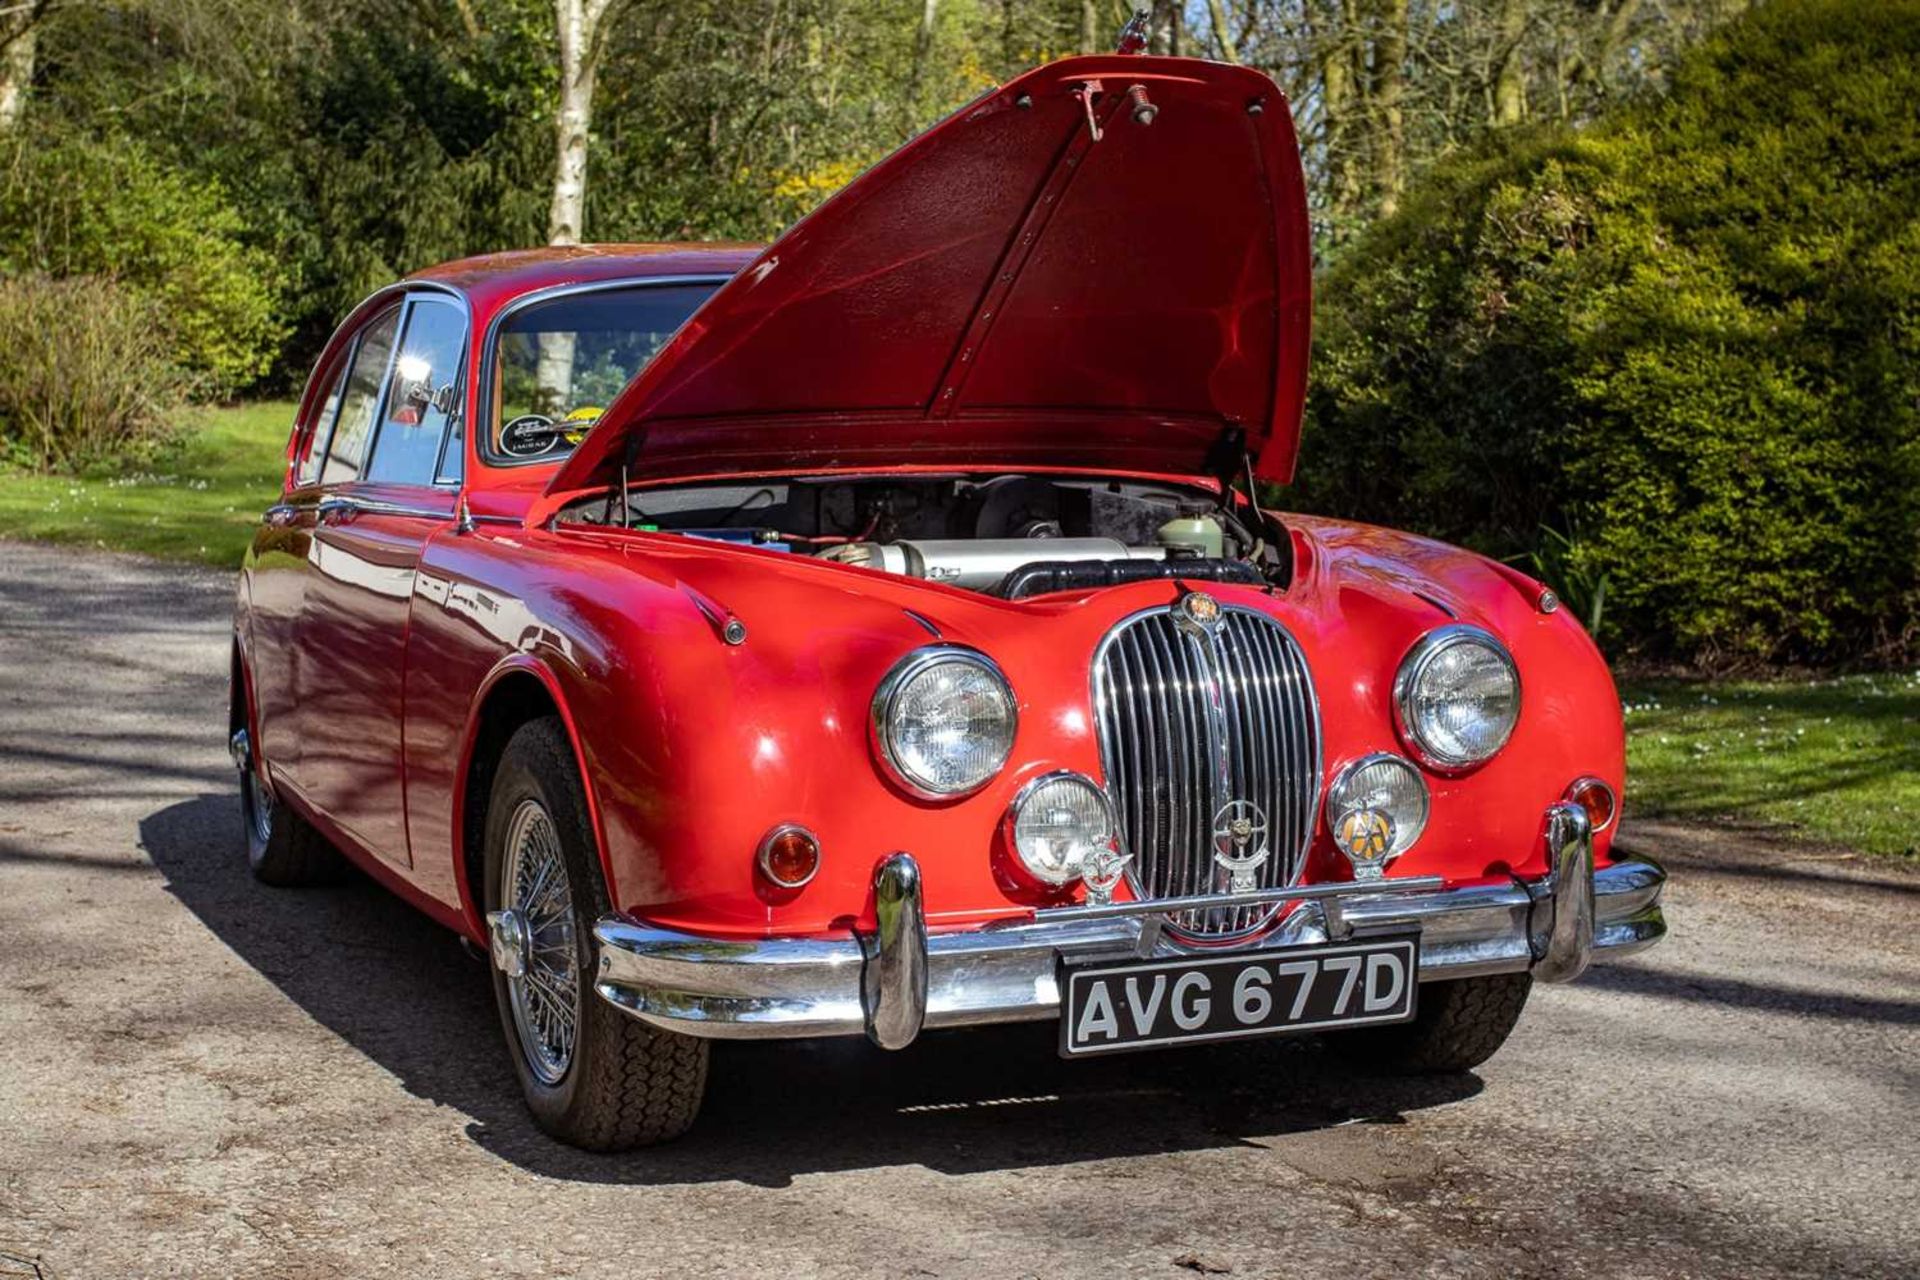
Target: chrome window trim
{"type": "Point", "coordinates": [483, 395]}
{"type": "Point", "coordinates": [879, 713]}
{"type": "Point", "coordinates": [413, 295]}
{"type": "Point", "coordinates": [320, 434]}
{"type": "Point", "coordinates": [1319, 774]}
{"type": "Point", "coordinates": [1424, 650]}
{"type": "Point", "coordinates": [399, 311]}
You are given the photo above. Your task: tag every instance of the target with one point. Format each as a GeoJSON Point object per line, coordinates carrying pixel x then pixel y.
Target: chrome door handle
{"type": "Point", "coordinates": [332, 510]}
{"type": "Point", "coordinates": [281, 514]}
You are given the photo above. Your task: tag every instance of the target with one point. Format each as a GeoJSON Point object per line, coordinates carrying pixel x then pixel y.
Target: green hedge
{"type": "Point", "coordinates": [73, 205]}
{"type": "Point", "coordinates": [1674, 357]}
{"type": "Point", "coordinates": [87, 376]}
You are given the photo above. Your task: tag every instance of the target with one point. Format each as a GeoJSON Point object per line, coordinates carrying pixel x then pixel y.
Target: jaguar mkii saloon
{"type": "Point", "coordinates": [891, 629]}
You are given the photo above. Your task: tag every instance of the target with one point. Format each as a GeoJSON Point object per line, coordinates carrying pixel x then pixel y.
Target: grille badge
{"type": "Point", "coordinates": [1240, 843]}
{"type": "Point", "coordinates": [1199, 613]}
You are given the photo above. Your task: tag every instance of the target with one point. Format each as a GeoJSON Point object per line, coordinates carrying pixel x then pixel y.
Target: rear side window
{"type": "Point", "coordinates": [316, 442]}
{"type": "Point", "coordinates": [361, 399]}
{"type": "Point", "coordinates": [422, 394]}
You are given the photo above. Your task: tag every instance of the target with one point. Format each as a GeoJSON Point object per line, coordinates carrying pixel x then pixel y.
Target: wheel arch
{"type": "Point", "coordinates": [518, 690]}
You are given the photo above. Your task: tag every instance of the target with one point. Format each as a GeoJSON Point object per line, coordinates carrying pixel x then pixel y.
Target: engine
{"type": "Point", "coordinates": [982, 565]}
{"type": "Point", "coordinates": [1013, 536]}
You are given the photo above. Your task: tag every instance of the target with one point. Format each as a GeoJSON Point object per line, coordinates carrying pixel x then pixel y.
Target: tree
{"type": "Point", "coordinates": [1672, 351]}
{"type": "Point", "coordinates": [579, 25]}
{"type": "Point", "coordinates": [19, 34]}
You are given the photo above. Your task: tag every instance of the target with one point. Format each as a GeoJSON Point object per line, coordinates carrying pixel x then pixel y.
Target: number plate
{"type": "Point", "coordinates": [1109, 1006]}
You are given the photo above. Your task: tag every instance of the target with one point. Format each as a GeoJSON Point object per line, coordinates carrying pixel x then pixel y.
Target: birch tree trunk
{"type": "Point", "coordinates": [922, 51]}
{"type": "Point", "coordinates": [577, 25]}
{"type": "Point", "coordinates": [17, 39]}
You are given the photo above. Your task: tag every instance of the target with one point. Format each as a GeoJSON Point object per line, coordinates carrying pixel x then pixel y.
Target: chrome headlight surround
{"type": "Point", "coordinates": [883, 728]}
{"type": "Point", "coordinates": [1412, 700]}
{"type": "Point", "coordinates": [1356, 791]}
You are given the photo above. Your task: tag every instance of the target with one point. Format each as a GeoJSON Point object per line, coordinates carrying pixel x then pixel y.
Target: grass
{"type": "Point", "coordinates": [201, 501]}
{"type": "Point", "coordinates": [1836, 760]}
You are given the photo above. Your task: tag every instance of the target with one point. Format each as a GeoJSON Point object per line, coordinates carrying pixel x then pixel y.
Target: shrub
{"type": "Point", "coordinates": [87, 374]}
{"type": "Point", "coordinates": [1691, 333]}
{"type": "Point", "coordinates": [73, 205]}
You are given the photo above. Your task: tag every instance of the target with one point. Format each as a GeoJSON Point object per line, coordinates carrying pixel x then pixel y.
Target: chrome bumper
{"type": "Point", "coordinates": [899, 980]}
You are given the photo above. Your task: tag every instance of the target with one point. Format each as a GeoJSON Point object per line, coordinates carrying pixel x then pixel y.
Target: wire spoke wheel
{"type": "Point", "coordinates": [545, 993]}
{"type": "Point", "coordinates": [259, 800]}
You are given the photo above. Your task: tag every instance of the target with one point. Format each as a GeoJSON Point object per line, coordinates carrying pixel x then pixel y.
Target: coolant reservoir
{"type": "Point", "coordinates": [1198, 535]}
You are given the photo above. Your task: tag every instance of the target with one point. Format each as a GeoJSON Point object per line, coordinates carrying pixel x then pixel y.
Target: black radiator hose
{"type": "Point", "coordinates": [1043, 576]}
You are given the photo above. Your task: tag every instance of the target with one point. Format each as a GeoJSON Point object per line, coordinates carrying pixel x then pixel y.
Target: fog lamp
{"type": "Point", "coordinates": [1063, 829]}
{"type": "Point", "coordinates": [1376, 809]}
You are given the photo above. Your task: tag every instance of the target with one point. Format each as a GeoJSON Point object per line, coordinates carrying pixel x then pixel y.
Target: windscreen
{"type": "Point", "coordinates": [557, 363]}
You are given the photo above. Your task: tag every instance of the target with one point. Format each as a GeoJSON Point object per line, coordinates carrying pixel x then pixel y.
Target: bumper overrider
{"type": "Point", "coordinates": [898, 980]}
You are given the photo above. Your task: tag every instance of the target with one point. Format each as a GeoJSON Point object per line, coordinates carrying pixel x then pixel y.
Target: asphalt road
{"type": "Point", "coordinates": [201, 1076]}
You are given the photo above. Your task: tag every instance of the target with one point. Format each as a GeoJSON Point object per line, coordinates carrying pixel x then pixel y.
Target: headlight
{"type": "Point", "coordinates": [1062, 826]}
{"type": "Point", "coordinates": [1457, 697]}
{"type": "Point", "coordinates": [943, 721]}
{"type": "Point", "coordinates": [1376, 809]}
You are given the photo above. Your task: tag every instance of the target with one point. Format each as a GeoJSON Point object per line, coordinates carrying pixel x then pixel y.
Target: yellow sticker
{"type": "Point", "coordinates": [1365, 834]}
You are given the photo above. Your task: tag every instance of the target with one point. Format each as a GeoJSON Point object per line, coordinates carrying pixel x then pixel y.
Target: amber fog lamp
{"type": "Point", "coordinates": [789, 856]}
{"type": "Point", "coordinates": [1597, 798]}
{"type": "Point", "coordinates": [1376, 809]}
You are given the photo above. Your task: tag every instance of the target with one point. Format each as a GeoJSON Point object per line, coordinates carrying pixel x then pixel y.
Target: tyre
{"type": "Point", "coordinates": [594, 1077]}
{"type": "Point", "coordinates": [1460, 1024]}
{"type": "Point", "coordinates": [283, 849]}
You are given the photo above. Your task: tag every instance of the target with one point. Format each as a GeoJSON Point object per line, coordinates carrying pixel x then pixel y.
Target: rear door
{"type": "Point", "coordinates": [277, 567]}
{"type": "Point", "coordinates": [389, 484]}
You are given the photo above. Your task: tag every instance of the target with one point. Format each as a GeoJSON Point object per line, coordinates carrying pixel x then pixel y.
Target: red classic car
{"type": "Point", "coordinates": [881, 631]}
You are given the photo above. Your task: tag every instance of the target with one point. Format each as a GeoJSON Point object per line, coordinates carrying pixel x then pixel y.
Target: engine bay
{"type": "Point", "coordinates": [1007, 535]}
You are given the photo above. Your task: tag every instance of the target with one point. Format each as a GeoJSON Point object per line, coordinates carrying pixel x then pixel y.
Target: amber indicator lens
{"type": "Point", "coordinates": [789, 856]}
{"type": "Point", "coordinates": [1596, 797]}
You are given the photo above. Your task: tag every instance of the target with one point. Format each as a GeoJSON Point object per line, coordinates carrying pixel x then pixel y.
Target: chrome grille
{"type": "Point", "coordinates": [1191, 720]}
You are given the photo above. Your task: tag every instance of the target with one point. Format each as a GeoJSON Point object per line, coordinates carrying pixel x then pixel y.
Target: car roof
{"type": "Point", "coordinates": [493, 278]}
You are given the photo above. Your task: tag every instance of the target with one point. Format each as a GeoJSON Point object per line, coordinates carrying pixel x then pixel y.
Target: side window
{"type": "Point", "coordinates": [361, 399]}
{"type": "Point", "coordinates": [422, 394]}
{"type": "Point", "coordinates": [315, 445]}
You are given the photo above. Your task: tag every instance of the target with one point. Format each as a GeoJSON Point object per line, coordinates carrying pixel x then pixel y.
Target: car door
{"type": "Point", "coordinates": [277, 566]}
{"type": "Point", "coordinates": [389, 484]}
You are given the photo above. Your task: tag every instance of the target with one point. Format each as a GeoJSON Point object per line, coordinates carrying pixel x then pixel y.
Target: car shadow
{"type": "Point", "coordinates": [406, 993]}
